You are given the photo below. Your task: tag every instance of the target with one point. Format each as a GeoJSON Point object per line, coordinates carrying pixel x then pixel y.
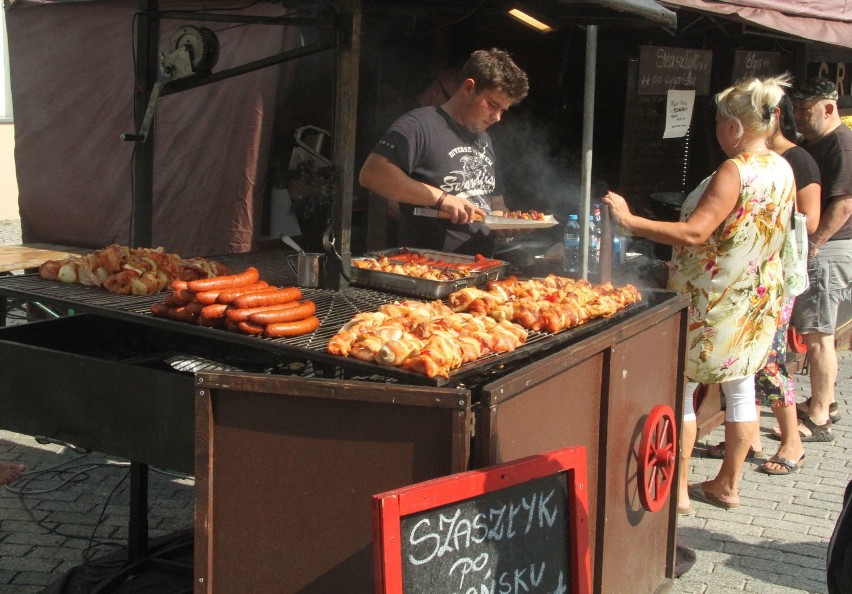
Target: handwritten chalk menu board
{"type": "Point", "coordinates": [748, 64]}
{"type": "Point", "coordinates": [521, 526]}
{"type": "Point", "coordinates": [664, 68]}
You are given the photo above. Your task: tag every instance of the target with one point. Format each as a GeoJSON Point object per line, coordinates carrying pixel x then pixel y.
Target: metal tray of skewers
{"type": "Point", "coordinates": [448, 272]}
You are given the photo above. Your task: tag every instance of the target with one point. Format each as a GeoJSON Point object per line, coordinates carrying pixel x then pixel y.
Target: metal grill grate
{"type": "Point", "coordinates": [334, 309]}
{"type": "Point", "coordinates": [193, 364]}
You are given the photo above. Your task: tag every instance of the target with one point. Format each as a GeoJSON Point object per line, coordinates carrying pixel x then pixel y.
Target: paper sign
{"type": "Point", "coordinates": [678, 113]}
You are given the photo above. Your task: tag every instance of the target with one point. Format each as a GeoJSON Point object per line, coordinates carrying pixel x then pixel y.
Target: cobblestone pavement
{"type": "Point", "coordinates": [10, 232]}
{"type": "Point", "coordinates": [72, 507]}
{"type": "Point", "coordinates": [776, 541]}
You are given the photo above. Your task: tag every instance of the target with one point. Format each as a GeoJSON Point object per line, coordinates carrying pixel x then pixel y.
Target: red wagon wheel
{"type": "Point", "coordinates": [795, 342]}
{"type": "Point", "coordinates": [657, 453]}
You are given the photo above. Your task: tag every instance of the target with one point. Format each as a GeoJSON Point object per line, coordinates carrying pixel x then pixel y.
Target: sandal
{"type": "Point", "coordinates": [718, 451]}
{"type": "Point", "coordinates": [697, 492]}
{"type": "Point", "coordinates": [833, 411]}
{"type": "Point", "coordinates": [789, 467]}
{"type": "Point", "coordinates": [818, 432]}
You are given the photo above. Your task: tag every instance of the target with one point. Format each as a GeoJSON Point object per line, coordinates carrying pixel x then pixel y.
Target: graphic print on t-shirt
{"type": "Point", "coordinates": [473, 178]}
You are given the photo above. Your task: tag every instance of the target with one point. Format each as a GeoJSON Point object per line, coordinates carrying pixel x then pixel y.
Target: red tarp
{"type": "Point", "coordinates": [72, 76]}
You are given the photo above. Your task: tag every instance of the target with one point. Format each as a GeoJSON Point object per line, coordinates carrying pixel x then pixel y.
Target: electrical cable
{"type": "Point", "coordinates": [78, 474]}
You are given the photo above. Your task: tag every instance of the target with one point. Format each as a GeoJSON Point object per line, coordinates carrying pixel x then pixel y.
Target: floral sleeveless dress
{"type": "Point", "coordinates": [734, 278]}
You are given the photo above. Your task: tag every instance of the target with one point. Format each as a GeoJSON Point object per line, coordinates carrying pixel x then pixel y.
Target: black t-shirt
{"type": "Point", "coordinates": [805, 168]}
{"type": "Point", "coordinates": [833, 154]}
{"type": "Point", "coordinates": [431, 147]}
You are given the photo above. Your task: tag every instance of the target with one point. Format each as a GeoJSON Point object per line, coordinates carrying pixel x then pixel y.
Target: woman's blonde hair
{"type": "Point", "coordinates": [751, 103]}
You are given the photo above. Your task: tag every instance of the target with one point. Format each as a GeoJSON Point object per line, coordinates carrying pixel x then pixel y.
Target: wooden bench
{"type": "Point", "coordinates": [28, 257]}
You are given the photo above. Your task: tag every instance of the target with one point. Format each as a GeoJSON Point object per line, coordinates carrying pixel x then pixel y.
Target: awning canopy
{"type": "Point", "coordinates": [823, 21]}
{"type": "Point", "coordinates": [648, 9]}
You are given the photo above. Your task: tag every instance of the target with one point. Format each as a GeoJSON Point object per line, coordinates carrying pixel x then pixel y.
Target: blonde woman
{"type": "Point", "coordinates": [727, 258]}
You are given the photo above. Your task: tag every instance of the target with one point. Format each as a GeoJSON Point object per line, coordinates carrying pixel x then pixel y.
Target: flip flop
{"type": "Point", "coordinates": [685, 511]}
{"type": "Point", "coordinates": [718, 451]}
{"type": "Point", "coordinates": [833, 411]}
{"type": "Point", "coordinates": [696, 491]}
{"type": "Point", "coordinates": [790, 467]}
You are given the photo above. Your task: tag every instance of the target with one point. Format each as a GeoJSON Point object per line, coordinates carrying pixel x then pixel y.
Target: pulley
{"type": "Point", "coordinates": [192, 50]}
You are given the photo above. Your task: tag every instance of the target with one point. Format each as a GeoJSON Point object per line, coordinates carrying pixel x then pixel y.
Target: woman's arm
{"type": "Point", "coordinates": [808, 203]}
{"type": "Point", "coordinates": [713, 208]}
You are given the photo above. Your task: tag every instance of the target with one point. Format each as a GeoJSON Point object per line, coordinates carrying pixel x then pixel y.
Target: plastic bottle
{"type": "Point", "coordinates": [594, 245]}
{"type": "Point", "coordinates": [596, 213]}
{"type": "Point", "coordinates": [571, 245]}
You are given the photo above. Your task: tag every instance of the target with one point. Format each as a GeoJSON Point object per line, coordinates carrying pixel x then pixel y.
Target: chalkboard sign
{"type": "Point", "coordinates": [748, 64]}
{"type": "Point", "coordinates": [649, 162]}
{"type": "Point", "coordinates": [664, 68]}
{"type": "Point", "coordinates": [516, 527]}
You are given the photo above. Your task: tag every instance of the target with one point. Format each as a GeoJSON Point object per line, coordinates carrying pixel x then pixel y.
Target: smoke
{"type": "Point", "coordinates": [541, 169]}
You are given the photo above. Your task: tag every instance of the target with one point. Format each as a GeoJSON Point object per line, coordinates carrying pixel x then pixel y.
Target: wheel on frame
{"type": "Point", "coordinates": [795, 342]}
{"type": "Point", "coordinates": [657, 457]}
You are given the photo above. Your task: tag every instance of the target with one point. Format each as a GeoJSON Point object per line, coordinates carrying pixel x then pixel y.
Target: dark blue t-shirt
{"type": "Point", "coordinates": [431, 147]}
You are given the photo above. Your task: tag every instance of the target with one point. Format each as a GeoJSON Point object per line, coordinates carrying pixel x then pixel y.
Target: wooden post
{"type": "Point", "coordinates": [146, 68]}
{"type": "Point", "coordinates": [346, 57]}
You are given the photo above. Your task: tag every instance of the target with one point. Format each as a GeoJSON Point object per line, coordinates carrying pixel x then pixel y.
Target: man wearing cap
{"type": "Point", "coordinates": [829, 141]}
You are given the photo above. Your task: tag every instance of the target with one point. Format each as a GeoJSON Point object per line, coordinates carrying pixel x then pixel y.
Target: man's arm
{"type": "Point", "coordinates": [832, 219]}
{"type": "Point", "coordinates": [381, 176]}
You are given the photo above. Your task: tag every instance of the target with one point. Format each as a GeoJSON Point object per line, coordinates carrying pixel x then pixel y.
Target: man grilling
{"type": "Point", "coordinates": [442, 157]}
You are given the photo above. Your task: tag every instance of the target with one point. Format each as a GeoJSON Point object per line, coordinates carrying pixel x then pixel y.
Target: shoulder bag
{"type": "Point", "coordinates": [794, 255]}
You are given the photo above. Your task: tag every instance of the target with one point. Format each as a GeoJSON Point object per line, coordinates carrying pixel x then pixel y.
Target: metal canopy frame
{"type": "Point", "coordinates": [336, 31]}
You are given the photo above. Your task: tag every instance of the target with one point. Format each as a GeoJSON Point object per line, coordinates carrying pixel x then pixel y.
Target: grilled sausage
{"type": "Point", "coordinates": [184, 295]}
{"type": "Point", "coordinates": [172, 300]}
{"type": "Point", "coordinates": [289, 314]}
{"type": "Point", "coordinates": [181, 315]}
{"type": "Point", "coordinates": [297, 328]}
{"type": "Point", "coordinates": [214, 311]}
{"type": "Point", "coordinates": [194, 308]}
{"type": "Point", "coordinates": [276, 297]}
{"type": "Point", "coordinates": [228, 295]}
{"type": "Point", "coordinates": [241, 315]}
{"type": "Point", "coordinates": [207, 297]}
{"type": "Point", "coordinates": [161, 310]}
{"type": "Point", "coordinates": [243, 328]}
{"type": "Point", "coordinates": [229, 281]}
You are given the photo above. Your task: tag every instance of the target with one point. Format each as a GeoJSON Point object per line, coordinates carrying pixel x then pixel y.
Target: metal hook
{"type": "Point", "coordinates": [328, 241]}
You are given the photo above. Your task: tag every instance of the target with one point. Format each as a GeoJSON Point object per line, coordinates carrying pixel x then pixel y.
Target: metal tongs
{"type": "Point", "coordinates": [491, 221]}
{"type": "Point", "coordinates": [289, 241]}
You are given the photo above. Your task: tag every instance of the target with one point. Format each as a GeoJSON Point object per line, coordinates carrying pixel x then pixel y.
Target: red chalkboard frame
{"type": "Point", "coordinates": [389, 507]}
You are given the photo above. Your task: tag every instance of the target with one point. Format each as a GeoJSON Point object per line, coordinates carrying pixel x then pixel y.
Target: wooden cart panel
{"type": "Point", "coordinates": [598, 394]}
{"type": "Point", "coordinates": [286, 468]}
